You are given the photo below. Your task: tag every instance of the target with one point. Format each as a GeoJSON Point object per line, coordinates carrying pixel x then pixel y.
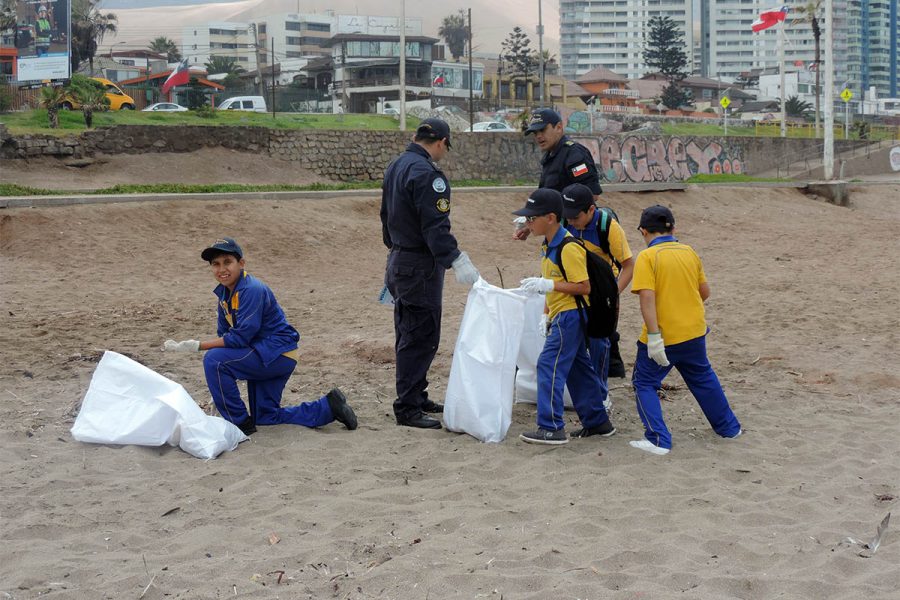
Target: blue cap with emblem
{"type": "Point", "coordinates": [542, 201]}
{"type": "Point", "coordinates": [434, 129]}
{"type": "Point", "coordinates": [542, 117]}
{"type": "Point", "coordinates": [226, 245]}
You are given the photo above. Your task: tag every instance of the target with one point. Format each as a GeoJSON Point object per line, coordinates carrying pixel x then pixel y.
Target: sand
{"type": "Point", "coordinates": [804, 337]}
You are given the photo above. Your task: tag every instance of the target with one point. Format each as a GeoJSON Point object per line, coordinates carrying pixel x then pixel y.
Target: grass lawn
{"type": "Point", "coordinates": [36, 122]}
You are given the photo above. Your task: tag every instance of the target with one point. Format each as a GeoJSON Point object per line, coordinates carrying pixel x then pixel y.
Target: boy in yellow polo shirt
{"type": "Point", "coordinates": [564, 360]}
{"type": "Point", "coordinates": [672, 287]}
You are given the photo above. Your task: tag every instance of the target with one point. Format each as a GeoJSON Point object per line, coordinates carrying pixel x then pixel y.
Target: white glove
{"type": "Point", "coordinates": [656, 348]}
{"type": "Point", "coordinates": [536, 285]}
{"type": "Point", "coordinates": [465, 271]}
{"type": "Point", "coordinates": [545, 325]}
{"type": "Point", "coordinates": [519, 222]}
{"type": "Point", "coordinates": [185, 346]}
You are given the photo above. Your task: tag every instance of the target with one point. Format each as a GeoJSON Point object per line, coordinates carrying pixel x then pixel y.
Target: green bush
{"type": "Point", "coordinates": [205, 111]}
{"type": "Point", "coordinates": [6, 99]}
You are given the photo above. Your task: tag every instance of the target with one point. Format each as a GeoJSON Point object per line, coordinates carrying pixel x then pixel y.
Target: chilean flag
{"type": "Point", "coordinates": [769, 18]}
{"type": "Point", "coordinates": [180, 76]}
{"type": "Point", "coordinates": [439, 80]}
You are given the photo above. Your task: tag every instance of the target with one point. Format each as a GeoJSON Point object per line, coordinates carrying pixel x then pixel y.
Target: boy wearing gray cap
{"type": "Point", "coordinates": [256, 344]}
{"type": "Point", "coordinates": [672, 287]}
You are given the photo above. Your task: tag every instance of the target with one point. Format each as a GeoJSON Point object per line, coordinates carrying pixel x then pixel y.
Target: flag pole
{"type": "Point", "coordinates": [781, 72]}
{"type": "Point", "coordinates": [828, 160]}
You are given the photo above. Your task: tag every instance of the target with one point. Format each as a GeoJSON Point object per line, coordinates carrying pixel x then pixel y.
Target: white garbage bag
{"type": "Point", "coordinates": [482, 376]}
{"type": "Point", "coordinates": [127, 403]}
{"type": "Point", "coordinates": [529, 351]}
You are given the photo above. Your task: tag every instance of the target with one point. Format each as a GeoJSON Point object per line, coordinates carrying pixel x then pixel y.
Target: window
{"type": "Point", "coordinates": [318, 27]}
{"type": "Point", "coordinates": [292, 26]}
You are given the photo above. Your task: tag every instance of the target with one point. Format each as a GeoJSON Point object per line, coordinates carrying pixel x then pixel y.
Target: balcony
{"type": "Point", "coordinates": [621, 93]}
{"type": "Point", "coordinates": [383, 81]}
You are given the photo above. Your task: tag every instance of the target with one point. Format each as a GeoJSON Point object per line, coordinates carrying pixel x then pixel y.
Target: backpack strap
{"type": "Point", "coordinates": [579, 300]}
{"type": "Point", "coordinates": [603, 225]}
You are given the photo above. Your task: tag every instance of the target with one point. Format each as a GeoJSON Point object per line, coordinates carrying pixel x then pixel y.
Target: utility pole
{"type": "Point", "coordinates": [471, 109]}
{"type": "Point", "coordinates": [256, 49]}
{"type": "Point", "coordinates": [272, 66]}
{"type": "Point", "coordinates": [828, 166]}
{"type": "Point", "coordinates": [540, 32]}
{"type": "Point", "coordinates": [402, 65]}
{"type": "Point", "coordinates": [781, 71]}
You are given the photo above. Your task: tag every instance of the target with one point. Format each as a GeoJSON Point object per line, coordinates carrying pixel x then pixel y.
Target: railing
{"type": "Point", "coordinates": [619, 92]}
{"type": "Point", "coordinates": [380, 82]}
{"type": "Point", "coordinates": [808, 130]}
{"type": "Point", "coordinates": [815, 158]}
{"type": "Point", "coordinates": [612, 108]}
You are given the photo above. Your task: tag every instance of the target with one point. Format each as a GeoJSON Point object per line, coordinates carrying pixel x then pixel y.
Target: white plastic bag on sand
{"type": "Point", "coordinates": [127, 403]}
{"type": "Point", "coordinates": [482, 376]}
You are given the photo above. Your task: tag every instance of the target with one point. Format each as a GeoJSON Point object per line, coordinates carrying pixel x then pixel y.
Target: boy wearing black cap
{"type": "Point", "coordinates": [672, 287]}
{"type": "Point", "coordinates": [257, 345]}
{"type": "Point", "coordinates": [415, 226]}
{"type": "Point", "coordinates": [564, 360]}
{"type": "Point", "coordinates": [583, 221]}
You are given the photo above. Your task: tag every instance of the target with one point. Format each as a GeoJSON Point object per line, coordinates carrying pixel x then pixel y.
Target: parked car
{"type": "Point", "coordinates": [118, 100]}
{"type": "Point", "coordinates": [499, 126]}
{"type": "Point", "coordinates": [391, 111]}
{"type": "Point", "coordinates": [165, 107]}
{"type": "Point", "coordinates": [251, 103]}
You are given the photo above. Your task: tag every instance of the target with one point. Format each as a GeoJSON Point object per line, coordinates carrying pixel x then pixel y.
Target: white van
{"type": "Point", "coordinates": [251, 103]}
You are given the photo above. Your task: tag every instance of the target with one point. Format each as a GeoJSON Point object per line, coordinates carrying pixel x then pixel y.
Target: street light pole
{"type": "Point", "coordinates": [828, 166]}
{"type": "Point", "coordinates": [540, 32]}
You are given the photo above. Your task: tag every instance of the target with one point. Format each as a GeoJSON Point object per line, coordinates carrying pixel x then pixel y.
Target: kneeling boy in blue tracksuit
{"type": "Point", "coordinates": [564, 360]}
{"type": "Point", "coordinates": [672, 287]}
{"type": "Point", "coordinates": [256, 344]}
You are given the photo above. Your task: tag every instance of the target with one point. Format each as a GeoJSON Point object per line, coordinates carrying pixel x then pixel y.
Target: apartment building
{"type": "Point", "coordinates": [610, 33]}
{"type": "Point", "coordinates": [236, 41]}
{"type": "Point", "coordinates": [295, 35]}
{"type": "Point", "coordinates": [874, 36]}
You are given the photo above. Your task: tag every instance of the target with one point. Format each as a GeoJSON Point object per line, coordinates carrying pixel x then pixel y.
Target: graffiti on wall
{"type": "Point", "coordinates": [644, 159]}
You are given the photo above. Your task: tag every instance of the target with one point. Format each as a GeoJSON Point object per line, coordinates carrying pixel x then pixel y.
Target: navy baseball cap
{"type": "Point", "coordinates": [542, 117]}
{"type": "Point", "coordinates": [542, 201]}
{"type": "Point", "coordinates": [577, 198]}
{"type": "Point", "coordinates": [657, 216]}
{"type": "Point", "coordinates": [435, 129]}
{"type": "Point", "coordinates": [222, 245]}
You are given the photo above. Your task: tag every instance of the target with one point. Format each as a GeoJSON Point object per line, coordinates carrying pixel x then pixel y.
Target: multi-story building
{"type": "Point", "coordinates": [729, 46]}
{"type": "Point", "coordinates": [610, 33]}
{"type": "Point", "coordinates": [236, 41]}
{"type": "Point", "coordinates": [295, 35]}
{"type": "Point", "coordinates": [874, 36]}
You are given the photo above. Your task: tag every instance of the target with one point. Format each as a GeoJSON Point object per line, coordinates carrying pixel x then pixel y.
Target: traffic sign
{"type": "Point", "coordinates": [846, 95]}
{"type": "Point", "coordinates": [724, 102]}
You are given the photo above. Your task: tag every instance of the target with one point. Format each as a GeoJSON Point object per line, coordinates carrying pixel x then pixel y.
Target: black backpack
{"type": "Point", "coordinates": [603, 223]}
{"type": "Point", "coordinates": [598, 320]}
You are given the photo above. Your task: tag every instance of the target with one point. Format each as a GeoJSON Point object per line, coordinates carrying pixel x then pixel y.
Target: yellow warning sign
{"type": "Point", "coordinates": [724, 102]}
{"type": "Point", "coordinates": [846, 95]}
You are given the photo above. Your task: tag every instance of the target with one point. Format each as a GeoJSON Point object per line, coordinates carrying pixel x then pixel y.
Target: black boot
{"type": "Point", "coordinates": [616, 366]}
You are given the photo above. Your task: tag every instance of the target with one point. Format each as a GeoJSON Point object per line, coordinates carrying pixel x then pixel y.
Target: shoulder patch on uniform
{"type": "Point", "coordinates": [439, 185]}
{"type": "Point", "coordinates": [570, 143]}
{"type": "Point", "coordinates": [579, 170]}
{"type": "Point", "coordinates": [443, 205]}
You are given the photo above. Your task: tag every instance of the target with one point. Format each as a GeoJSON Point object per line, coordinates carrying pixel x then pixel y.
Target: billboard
{"type": "Point", "coordinates": [41, 40]}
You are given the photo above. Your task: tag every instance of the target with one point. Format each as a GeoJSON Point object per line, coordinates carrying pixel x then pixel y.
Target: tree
{"type": "Point", "coordinates": [795, 107]}
{"type": "Point", "coordinates": [673, 96]}
{"type": "Point", "coordinates": [89, 26]}
{"type": "Point", "coordinates": [809, 14]}
{"type": "Point", "coordinates": [518, 54]}
{"type": "Point", "coordinates": [51, 99]}
{"type": "Point", "coordinates": [164, 45]}
{"type": "Point", "coordinates": [7, 14]}
{"type": "Point", "coordinates": [90, 94]}
{"type": "Point", "coordinates": [664, 51]}
{"type": "Point", "coordinates": [229, 66]}
{"type": "Point", "coordinates": [455, 33]}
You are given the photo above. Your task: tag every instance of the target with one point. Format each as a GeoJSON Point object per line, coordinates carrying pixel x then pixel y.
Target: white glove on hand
{"type": "Point", "coordinates": [656, 348]}
{"type": "Point", "coordinates": [465, 271]}
{"type": "Point", "coordinates": [536, 285]}
{"type": "Point", "coordinates": [545, 325]}
{"type": "Point", "coordinates": [185, 346]}
{"type": "Point", "coordinates": [519, 222]}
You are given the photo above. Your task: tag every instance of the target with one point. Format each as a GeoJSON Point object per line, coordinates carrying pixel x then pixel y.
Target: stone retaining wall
{"type": "Point", "coordinates": [363, 155]}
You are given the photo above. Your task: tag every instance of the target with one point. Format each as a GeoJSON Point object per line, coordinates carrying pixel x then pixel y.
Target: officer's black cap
{"type": "Point", "coordinates": [542, 201]}
{"type": "Point", "coordinates": [577, 198]}
{"type": "Point", "coordinates": [434, 129]}
{"type": "Point", "coordinates": [222, 245]}
{"type": "Point", "coordinates": [542, 117]}
{"type": "Point", "coordinates": [657, 216]}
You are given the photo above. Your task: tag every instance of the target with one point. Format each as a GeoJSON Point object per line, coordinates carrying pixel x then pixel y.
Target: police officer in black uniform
{"type": "Point", "coordinates": [415, 225]}
{"type": "Point", "coordinates": [566, 162]}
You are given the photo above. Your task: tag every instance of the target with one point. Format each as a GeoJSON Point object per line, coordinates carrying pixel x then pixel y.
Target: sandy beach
{"type": "Point", "coordinates": [804, 336]}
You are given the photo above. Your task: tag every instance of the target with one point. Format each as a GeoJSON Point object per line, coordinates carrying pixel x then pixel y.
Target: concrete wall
{"type": "Point", "coordinates": [363, 155]}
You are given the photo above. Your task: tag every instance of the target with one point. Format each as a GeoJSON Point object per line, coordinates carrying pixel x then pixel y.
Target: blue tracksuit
{"type": "Point", "coordinates": [261, 349]}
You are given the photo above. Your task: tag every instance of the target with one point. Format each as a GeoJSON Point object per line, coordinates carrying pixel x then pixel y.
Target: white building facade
{"type": "Point", "coordinates": [232, 40]}
{"type": "Point", "coordinates": [610, 33]}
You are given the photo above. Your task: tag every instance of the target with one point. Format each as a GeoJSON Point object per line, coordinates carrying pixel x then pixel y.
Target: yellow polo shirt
{"type": "Point", "coordinates": [576, 268]}
{"type": "Point", "coordinates": [674, 272]}
{"type": "Point", "coordinates": [618, 244]}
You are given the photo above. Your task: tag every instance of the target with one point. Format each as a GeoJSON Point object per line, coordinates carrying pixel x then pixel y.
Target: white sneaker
{"type": "Point", "coordinates": [648, 446]}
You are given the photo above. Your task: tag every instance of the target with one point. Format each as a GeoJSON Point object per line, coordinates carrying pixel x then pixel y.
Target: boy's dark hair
{"type": "Point", "coordinates": [659, 229]}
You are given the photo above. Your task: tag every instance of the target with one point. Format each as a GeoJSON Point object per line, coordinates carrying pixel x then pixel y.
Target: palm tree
{"type": "Point", "coordinates": [809, 14]}
{"type": "Point", "coordinates": [89, 26]}
{"type": "Point", "coordinates": [164, 45]}
{"type": "Point", "coordinates": [795, 107]}
{"type": "Point", "coordinates": [90, 95]}
{"type": "Point", "coordinates": [51, 99]}
{"type": "Point", "coordinates": [223, 64]}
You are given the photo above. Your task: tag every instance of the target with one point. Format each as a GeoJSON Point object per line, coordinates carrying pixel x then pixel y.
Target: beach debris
{"type": "Point", "coordinates": [279, 573]}
{"type": "Point", "coordinates": [171, 511]}
{"type": "Point", "coordinates": [872, 546]}
{"type": "Point", "coordinates": [257, 578]}
{"type": "Point", "coordinates": [273, 539]}
{"type": "Point", "coordinates": [885, 497]}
